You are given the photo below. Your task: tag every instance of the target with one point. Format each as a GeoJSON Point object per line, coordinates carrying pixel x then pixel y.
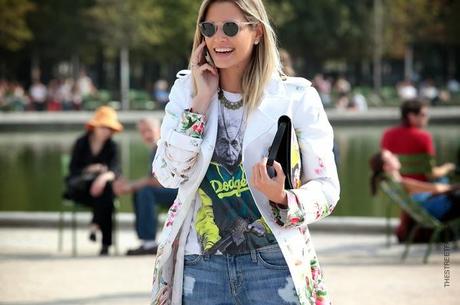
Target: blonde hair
{"type": "Point", "coordinates": [265, 58]}
{"type": "Point", "coordinates": [286, 63]}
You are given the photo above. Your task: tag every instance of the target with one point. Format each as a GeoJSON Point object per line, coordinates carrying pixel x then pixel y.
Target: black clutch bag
{"type": "Point", "coordinates": [285, 150]}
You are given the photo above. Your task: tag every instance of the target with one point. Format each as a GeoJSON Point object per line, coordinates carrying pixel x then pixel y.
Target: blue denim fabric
{"type": "Point", "coordinates": [437, 206]}
{"type": "Point", "coordinates": [146, 202]}
{"type": "Point", "coordinates": [259, 278]}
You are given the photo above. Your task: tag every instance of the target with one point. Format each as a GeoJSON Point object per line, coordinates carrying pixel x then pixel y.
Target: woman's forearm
{"type": "Point", "coordinates": [415, 186]}
{"type": "Point", "coordinates": [107, 176]}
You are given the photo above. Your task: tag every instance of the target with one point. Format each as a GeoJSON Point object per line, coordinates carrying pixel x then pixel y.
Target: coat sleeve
{"type": "Point", "coordinates": [320, 189]}
{"type": "Point", "coordinates": [181, 136]}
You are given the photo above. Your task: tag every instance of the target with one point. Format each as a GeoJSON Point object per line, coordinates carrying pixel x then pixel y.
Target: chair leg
{"type": "Point", "coordinates": [433, 238]}
{"type": "Point", "coordinates": [74, 231]}
{"type": "Point", "coordinates": [409, 242]}
{"type": "Point", "coordinates": [455, 238]}
{"type": "Point", "coordinates": [454, 230]}
{"type": "Point", "coordinates": [60, 233]}
{"type": "Point", "coordinates": [115, 231]}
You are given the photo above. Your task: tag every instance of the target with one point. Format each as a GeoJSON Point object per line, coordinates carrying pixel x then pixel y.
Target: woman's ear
{"type": "Point", "coordinates": [259, 33]}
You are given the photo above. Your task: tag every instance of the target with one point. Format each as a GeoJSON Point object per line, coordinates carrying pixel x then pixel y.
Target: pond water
{"type": "Point", "coordinates": [31, 173]}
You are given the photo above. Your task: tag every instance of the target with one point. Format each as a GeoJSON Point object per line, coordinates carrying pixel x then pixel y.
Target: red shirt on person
{"type": "Point", "coordinates": [403, 140]}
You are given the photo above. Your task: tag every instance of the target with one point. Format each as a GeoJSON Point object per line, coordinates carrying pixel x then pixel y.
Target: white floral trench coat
{"type": "Point", "coordinates": [182, 161]}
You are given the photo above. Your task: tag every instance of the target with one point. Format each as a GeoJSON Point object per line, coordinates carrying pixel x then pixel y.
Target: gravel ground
{"type": "Point", "coordinates": [359, 268]}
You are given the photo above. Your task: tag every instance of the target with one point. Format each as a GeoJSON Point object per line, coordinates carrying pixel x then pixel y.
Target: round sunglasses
{"type": "Point", "coordinates": [230, 28]}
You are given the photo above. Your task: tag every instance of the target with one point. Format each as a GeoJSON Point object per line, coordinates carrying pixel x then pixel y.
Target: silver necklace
{"type": "Point", "coordinates": [227, 104]}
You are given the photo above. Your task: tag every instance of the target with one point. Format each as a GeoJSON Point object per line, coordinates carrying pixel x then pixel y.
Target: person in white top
{"type": "Point", "coordinates": [406, 91]}
{"type": "Point", "coordinates": [38, 94]}
{"type": "Point", "coordinates": [233, 234]}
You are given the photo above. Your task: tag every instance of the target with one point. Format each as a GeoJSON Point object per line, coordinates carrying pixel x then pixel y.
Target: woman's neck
{"type": "Point", "coordinates": [95, 143]}
{"type": "Point", "coordinates": [230, 78]}
{"type": "Point", "coordinates": [395, 175]}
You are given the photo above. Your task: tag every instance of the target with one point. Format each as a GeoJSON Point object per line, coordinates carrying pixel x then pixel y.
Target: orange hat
{"type": "Point", "coordinates": [105, 116]}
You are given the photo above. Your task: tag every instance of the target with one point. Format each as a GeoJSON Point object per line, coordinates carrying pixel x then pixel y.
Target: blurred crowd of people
{"type": "Point", "coordinates": [59, 94]}
{"type": "Point", "coordinates": [339, 93]}
{"type": "Point", "coordinates": [64, 94]}
{"type": "Point", "coordinates": [341, 89]}
{"type": "Point", "coordinates": [428, 91]}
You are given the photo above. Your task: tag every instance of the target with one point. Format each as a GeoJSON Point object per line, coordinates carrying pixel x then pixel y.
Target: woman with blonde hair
{"type": "Point", "coordinates": [234, 235]}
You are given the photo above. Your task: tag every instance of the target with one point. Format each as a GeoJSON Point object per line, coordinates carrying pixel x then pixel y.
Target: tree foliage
{"type": "Point", "coordinates": [59, 27]}
{"type": "Point", "coordinates": [14, 31]}
{"type": "Point", "coordinates": [162, 30]}
{"type": "Point", "coordinates": [324, 29]}
{"type": "Point", "coordinates": [126, 23]}
{"type": "Point", "coordinates": [412, 21]}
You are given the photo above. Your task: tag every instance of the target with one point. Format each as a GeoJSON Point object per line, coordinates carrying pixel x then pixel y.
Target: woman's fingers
{"type": "Point", "coordinates": [280, 176]}
{"type": "Point", "coordinates": [270, 187]}
{"type": "Point", "coordinates": [197, 56]}
{"type": "Point", "coordinates": [207, 67]}
{"type": "Point", "coordinates": [263, 170]}
{"type": "Point", "coordinates": [259, 172]}
{"type": "Point", "coordinates": [255, 174]}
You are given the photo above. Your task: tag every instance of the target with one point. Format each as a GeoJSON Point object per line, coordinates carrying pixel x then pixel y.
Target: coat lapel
{"type": "Point", "coordinates": [261, 120]}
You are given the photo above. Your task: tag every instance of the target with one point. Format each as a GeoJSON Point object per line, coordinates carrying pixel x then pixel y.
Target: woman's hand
{"type": "Point", "coordinates": [95, 168]}
{"type": "Point", "coordinates": [442, 170]}
{"type": "Point", "coordinates": [272, 188]}
{"type": "Point", "coordinates": [207, 80]}
{"type": "Point", "coordinates": [442, 188]}
{"type": "Point", "coordinates": [98, 185]}
{"type": "Point", "coordinates": [121, 186]}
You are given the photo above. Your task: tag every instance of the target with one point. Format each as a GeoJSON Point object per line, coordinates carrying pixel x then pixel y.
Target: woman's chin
{"type": "Point", "coordinates": [225, 63]}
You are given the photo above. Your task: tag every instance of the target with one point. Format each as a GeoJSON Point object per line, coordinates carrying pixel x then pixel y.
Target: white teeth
{"type": "Point", "coordinates": [223, 50]}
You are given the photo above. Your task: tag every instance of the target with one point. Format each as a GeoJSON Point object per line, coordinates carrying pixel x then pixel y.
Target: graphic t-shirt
{"type": "Point", "coordinates": [228, 220]}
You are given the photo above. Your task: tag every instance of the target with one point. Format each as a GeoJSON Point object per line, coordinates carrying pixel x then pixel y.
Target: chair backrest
{"type": "Point", "coordinates": [65, 161]}
{"type": "Point", "coordinates": [416, 164]}
{"type": "Point", "coordinates": [397, 194]}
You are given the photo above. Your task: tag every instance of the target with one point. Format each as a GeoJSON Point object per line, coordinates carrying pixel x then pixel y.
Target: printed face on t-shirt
{"type": "Point", "coordinates": [229, 143]}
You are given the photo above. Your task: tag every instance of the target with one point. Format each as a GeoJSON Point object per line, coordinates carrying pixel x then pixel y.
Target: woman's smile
{"type": "Point", "coordinates": [223, 53]}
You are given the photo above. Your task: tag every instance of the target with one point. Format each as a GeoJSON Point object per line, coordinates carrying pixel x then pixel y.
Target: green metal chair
{"type": "Point", "coordinates": [416, 164]}
{"type": "Point", "coordinates": [74, 207]}
{"type": "Point", "coordinates": [413, 164]}
{"type": "Point", "coordinates": [395, 192]}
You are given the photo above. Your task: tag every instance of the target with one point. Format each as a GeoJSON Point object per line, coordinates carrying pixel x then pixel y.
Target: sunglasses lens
{"type": "Point", "coordinates": [230, 29]}
{"type": "Point", "coordinates": [207, 29]}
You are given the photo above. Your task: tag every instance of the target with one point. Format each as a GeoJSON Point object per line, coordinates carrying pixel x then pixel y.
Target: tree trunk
{"type": "Point", "coordinates": [409, 63]}
{"type": "Point", "coordinates": [124, 76]}
{"type": "Point", "coordinates": [35, 67]}
{"type": "Point", "coordinates": [451, 64]}
{"type": "Point", "coordinates": [75, 66]}
{"type": "Point", "coordinates": [378, 45]}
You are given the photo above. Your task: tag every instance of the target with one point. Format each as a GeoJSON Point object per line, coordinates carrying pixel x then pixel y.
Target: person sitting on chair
{"type": "Point", "coordinates": [442, 201]}
{"type": "Point", "coordinates": [148, 193]}
{"type": "Point", "coordinates": [93, 166]}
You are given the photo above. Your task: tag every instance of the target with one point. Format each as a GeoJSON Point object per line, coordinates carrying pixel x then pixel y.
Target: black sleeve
{"type": "Point", "coordinates": [76, 165]}
{"type": "Point", "coordinates": [114, 159]}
